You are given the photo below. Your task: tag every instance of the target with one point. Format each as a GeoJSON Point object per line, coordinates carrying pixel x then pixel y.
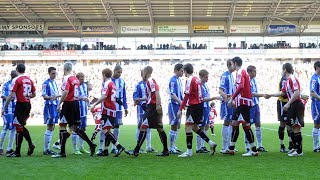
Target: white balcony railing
{"type": "Point", "coordinates": [158, 54]}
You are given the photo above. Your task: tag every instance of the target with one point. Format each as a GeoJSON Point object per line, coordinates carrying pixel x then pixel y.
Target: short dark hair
{"type": "Point", "coordinates": [178, 66]}
{"type": "Point", "coordinates": [203, 72]}
{"type": "Point", "coordinates": [117, 67]}
{"type": "Point", "coordinates": [316, 64]}
{"type": "Point", "coordinates": [51, 69]}
{"type": "Point", "coordinates": [229, 63]}
{"type": "Point", "coordinates": [250, 68]}
{"type": "Point", "coordinates": [188, 68]}
{"type": "Point", "coordinates": [148, 69]}
{"type": "Point", "coordinates": [237, 60]}
{"type": "Point", "coordinates": [21, 68]}
{"type": "Point", "coordinates": [288, 67]}
{"type": "Point", "coordinates": [107, 73]}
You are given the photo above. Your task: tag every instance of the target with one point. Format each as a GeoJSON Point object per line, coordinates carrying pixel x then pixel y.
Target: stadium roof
{"type": "Point", "coordinates": [297, 12]}
{"type": "Point", "coordinates": [157, 10]}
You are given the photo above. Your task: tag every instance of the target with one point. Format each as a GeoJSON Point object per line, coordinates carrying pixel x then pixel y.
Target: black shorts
{"type": "Point", "coordinates": [194, 114]}
{"type": "Point", "coordinates": [244, 111]}
{"type": "Point", "coordinates": [71, 113]}
{"type": "Point", "coordinates": [108, 122]}
{"type": "Point", "coordinates": [296, 114]}
{"type": "Point", "coordinates": [22, 112]}
{"type": "Point", "coordinates": [282, 115]}
{"type": "Point", "coordinates": [152, 117]}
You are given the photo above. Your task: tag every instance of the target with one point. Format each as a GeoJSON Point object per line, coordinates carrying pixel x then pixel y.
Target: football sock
{"type": "Point", "coordinates": [163, 138]}
{"type": "Point", "coordinates": [137, 134]}
{"type": "Point", "coordinates": [2, 137]}
{"type": "Point", "coordinates": [64, 136]}
{"type": "Point", "coordinates": [172, 137]}
{"type": "Point", "coordinates": [202, 141]}
{"type": "Point", "coordinates": [12, 136]}
{"type": "Point", "coordinates": [148, 138]}
{"type": "Point", "coordinates": [281, 133]}
{"type": "Point", "coordinates": [175, 138]}
{"type": "Point", "coordinates": [246, 142]}
{"type": "Point", "coordinates": [75, 141]}
{"type": "Point", "coordinates": [225, 137]}
{"type": "Point", "coordinates": [198, 142]}
{"type": "Point", "coordinates": [189, 138]}
{"type": "Point", "coordinates": [212, 130]}
{"type": "Point", "coordinates": [259, 136]}
{"type": "Point", "coordinates": [46, 144]}
{"type": "Point", "coordinates": [249, 134]}
{"type": "Point", "coordinates": [230, 129]}
{"type": "Point", "coordinates": [111, 138]}
{"type": "Point", "coordinates": [26, 135]}
{"type": "Point", "coordinates": [19, 139]}
{"type": "Point", "coordinates": [84, 136]}
{"type": "Point", "coordinates": [142, 137]}
{"type": "Point", "coordinates": [116, 135]}
{"type": "Point", "coordinates": [235, 134]}
{"type": "Point", "coordinates": [291, 139]}
{"type": "Point", "coordinates": [298, 142]}
{"type": "Point", "coordinates": [315, 135]}
{"type": "Point", "coordinates": [101, 142]}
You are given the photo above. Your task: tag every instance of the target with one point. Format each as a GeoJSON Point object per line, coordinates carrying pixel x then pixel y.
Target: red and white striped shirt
{"type": "Point", "coordinates": [109, 104]}
{"type": "Point", "coordinates": [151, 88]}
{"type": "Point", "coordinates": [291, 85]}
{"type": "Point", "coordinates": [97, 115]}
{"type": "Point", "coordinates": [242, 95]}
{"type": "Point", "coordinates": [193, 93]}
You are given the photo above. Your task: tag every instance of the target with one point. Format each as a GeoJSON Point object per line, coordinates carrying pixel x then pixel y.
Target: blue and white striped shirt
{"type": "Point", "coordinates": [140, 92]}
{"type": "Point", "coordinates": [227, 83]}
{"type": "Point", "coordinates": [120, 93]}
{"type": "Point", "coordinates": [5, 93]}
{"type": "Point", "coordinates": [175, 87]}
{"type": "Point", "coordinates": [50, 88]}
{"type": "Point", "coordinates": [315, 86]}
{"type": "Point", "coordinates": [254, 89]}
{"type": "Point", "coordinates": [206, 94]}
{"type": "Point", "coordinates": [83, 105]}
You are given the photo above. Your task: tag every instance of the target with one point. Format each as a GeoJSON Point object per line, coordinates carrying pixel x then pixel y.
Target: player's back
{"type": "Point", "coordinates": [109, 104]}
{"type": "Point", "coordinates": [315, 86]}
{"type": "Point", "coordinates": [5, 92]}
{"type": "Point", "coordinates": [175, 87]}
{"type": "Point", "coordinates": [227, 82]}
{"type": "Point", "coordinates": [282, 83]}
{"type": "Point", "coordinates": [193, 88]}
{"type": "Point", "coordinates": [23, 87]}
{"type": "Point", "coordinates": [71, 83]}
{"type": "Point", "coordinates": [151, 88]}
{"type": "Point", "coordinates": [246, 92]}
{"type": "Point", "coordinates": [291, 86]}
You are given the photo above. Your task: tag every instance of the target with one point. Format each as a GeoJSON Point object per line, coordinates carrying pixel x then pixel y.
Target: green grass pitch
{"type": "Point", "coordinates": [269, 165]}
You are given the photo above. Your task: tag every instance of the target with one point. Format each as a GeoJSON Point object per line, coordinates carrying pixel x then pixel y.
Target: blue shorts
{"type": "Point", "coordinates": [226, 112]}
{"type": "Point", "coordinates": [255, 114]}
{"type": "Point", "coordinates": [83, 122]}
{"type": "Point", "coordinates": [50, 114]}
{"type": "Point", "coordinates": [172, 112]}
{"type": "Point", "coordinates": [7, 121]}
{"type": "Point", "coordinates": [118, 118]}
{"type": "Point", "coordinates": [139, 119]}
{"type": "Point", "coordinates": [205, 117]}
{"type": "Point", "coordinates": [315, 110]}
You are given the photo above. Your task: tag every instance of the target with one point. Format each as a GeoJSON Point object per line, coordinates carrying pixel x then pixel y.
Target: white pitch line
{"type": "Point", "coordinates": [277, 131]}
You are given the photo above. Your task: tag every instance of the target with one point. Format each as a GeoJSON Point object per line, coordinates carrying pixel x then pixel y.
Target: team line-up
{"type": "Point", "coordinates": [239, 105]}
